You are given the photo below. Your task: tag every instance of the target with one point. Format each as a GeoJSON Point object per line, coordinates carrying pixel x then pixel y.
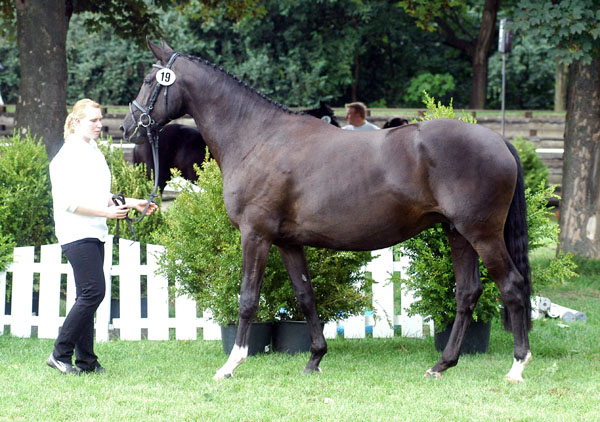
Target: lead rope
{"type": "Point", "coordinates": [119, 198]}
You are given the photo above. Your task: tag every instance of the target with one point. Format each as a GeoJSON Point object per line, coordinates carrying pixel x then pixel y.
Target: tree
{"type": "Point", "coordinates": [573, 28]}
{"type": "Point", "coordinates": [454, 19]}
{"type": "Point", "coordinates": [41, 37]}
{"type": "Point", "coordinates": [42, 27]}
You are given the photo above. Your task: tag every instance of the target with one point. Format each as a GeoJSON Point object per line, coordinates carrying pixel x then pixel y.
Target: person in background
{"type": "Point", "coordinates": [82, 202]}
{"type": "Point", "coordinates": [356, 116]}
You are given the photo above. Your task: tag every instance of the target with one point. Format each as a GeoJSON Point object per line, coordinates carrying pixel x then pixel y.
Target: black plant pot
{"type": "Point", "coordinates": [291, 337]}
{"type": "Point", "coordinates": [259, 341]}
{"type": "Point", "coordinates": [477, 339]}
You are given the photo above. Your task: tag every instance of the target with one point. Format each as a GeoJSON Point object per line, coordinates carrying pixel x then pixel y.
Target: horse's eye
{"type": "Point", "coordinates": [147, 81]}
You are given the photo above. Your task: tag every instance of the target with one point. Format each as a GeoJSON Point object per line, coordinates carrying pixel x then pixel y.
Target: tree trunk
{"type": "Point", "coordinates": [354, 93]}
{"type": "Point", "coordinates": [560, 87]}
{"type": "Point", "coordinates": [480, 54]}
{"type": "Point", "coordinates": [580, 207]}
{"type": "Point", "coordinates": [42, 36]}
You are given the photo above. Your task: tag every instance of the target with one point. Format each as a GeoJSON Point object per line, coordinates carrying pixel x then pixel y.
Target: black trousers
{"type": "Point", "coordinates": [86, 256]}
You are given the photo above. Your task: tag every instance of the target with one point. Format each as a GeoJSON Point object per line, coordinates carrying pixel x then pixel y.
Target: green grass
{"type": "Point", "coordinates": [362, 380]}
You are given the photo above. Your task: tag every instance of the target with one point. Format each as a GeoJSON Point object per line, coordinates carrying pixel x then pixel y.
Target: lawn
{"type": "Point", "coordinates": [362, 380]}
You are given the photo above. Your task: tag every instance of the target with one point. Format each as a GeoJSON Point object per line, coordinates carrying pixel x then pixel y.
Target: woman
{"type": "Point", "coordinates": [82, 202]}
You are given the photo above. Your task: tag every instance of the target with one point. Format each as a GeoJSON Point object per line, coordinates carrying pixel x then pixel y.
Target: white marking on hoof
{"type": "Point", "coordinates": [237, 356]}
{"type": "Point", "coordinates": [433, 374]}
{"type": "Point", "coordinates": [516, 372]}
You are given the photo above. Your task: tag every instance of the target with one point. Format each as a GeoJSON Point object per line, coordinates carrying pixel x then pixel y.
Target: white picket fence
{"type": "Point", "coordinates": [24, 274]}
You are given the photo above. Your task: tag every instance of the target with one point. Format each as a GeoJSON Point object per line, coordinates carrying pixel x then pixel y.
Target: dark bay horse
{"type": "Point", "coordinates": [290, 180]}
{"type": "Point", "coordinates": [182, 146]}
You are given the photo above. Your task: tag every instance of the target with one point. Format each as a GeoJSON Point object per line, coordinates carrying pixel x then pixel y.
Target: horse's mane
{"type": "Point", "coordinates": [240, 82]}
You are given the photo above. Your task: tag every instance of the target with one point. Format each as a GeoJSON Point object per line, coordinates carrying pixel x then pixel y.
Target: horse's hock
{"type": "Point", "coordinates": [546, 133]}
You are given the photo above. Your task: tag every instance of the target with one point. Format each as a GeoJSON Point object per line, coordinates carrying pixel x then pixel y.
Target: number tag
{"type": "Point", "coordinates": [165, 77]}
{"type": "Point", "coordinates": [326, 119]}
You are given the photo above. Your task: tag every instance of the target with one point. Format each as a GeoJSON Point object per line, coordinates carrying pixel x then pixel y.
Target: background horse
{"type": "Point", "coordinates": [183, 146]}
{"type": "Point", "coordinates": [395, 122]}
{"type": "Point", "coordinates": [290, 180]}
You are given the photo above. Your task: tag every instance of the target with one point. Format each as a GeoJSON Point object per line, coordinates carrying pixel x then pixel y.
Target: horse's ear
{"type": "Point", "coordinates": [162, 53]}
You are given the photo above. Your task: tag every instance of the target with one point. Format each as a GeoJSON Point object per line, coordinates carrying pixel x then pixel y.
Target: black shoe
{"type": "Point", "coordinates": [62, 367]}
{"type": "Point", "coordinates": [98, 369]}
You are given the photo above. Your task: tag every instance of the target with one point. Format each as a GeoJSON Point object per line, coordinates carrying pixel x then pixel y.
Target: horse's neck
{"type": "Point", "coordinates": [231, 117]}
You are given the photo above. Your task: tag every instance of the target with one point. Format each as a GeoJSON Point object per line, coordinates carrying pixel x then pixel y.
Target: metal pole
{"type": "Point", "coordinates": [503, 87]}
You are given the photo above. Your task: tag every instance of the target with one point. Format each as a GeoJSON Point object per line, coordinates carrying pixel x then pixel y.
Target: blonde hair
{"type": "Point", "coordinates": [361, 108]}
{"type": "Point", "coordinates": [79, 112]}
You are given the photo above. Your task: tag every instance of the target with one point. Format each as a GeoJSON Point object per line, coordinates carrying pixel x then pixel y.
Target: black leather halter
{"type": "Point", "coordinates": [152, 128]}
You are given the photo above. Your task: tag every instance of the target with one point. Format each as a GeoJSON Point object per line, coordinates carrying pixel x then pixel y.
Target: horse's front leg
{"type": "Point", "coordinates": [255, 251]}
{"type": "Point", "coordinates": [294, 259]}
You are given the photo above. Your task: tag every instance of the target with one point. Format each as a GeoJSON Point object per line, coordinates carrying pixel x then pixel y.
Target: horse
{"type": "Point", "coordinates": [290, 180]}
{"type": "Point", "coordinates": [395, 122]}
{"type": "Point", "coordinates": [183, 146]}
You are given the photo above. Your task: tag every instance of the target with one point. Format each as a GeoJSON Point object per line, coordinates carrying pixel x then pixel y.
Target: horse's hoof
{"type": "Point", "coordinates": [514, 380]}
{"type": "Point", "coordinates": [222, 375]}
{"type": "Point", "coordinates": [433, 374]}
{"type": "Point", "coordinates": [308, 371]}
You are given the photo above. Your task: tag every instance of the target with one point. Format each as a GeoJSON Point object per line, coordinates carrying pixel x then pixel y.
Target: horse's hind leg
{"type": "Point", "coordinates": [468, 289]}
{"type": "Point", "coordinates": [294, 259]}
{"type": "Point", "coordinates": [514, 295]}
{"type": "Point", "coordinates": [255, 251]}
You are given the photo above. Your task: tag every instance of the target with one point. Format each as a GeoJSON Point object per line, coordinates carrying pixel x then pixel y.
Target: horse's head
{"type": "Point", "coordinates": [159, 100]}
{"type": "Point", "coordinates": [323, 112]}
{"type": "Point", "coordinates": [328, 112]}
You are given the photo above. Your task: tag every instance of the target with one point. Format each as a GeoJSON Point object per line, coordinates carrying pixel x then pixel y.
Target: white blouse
{"type": "Point", "coordinates": [80, 177]}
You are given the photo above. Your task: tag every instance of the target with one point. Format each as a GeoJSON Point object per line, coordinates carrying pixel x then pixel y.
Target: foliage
{"type": "Point", "coordinates": [102, 65]}
{"type": "Point", "coordinates": [297, 52]}
{"type": "Point", "coordinates": [530, 73]}
{"type": "Point", "coordinates": [440, 111]}
{"type": "Point", "coordinates": [6, 249]}
{"type": "Point", "coordinates": [131, 181]}
{"type": "Point", "coordinates": [25, 196]}
{"type": "Point", "coordinates": [132, 19]}
{"type": "Point", "coordinates": [9, 77]}
{"type": "Point", "coordinates": [230, 9]}
{"type": "Point", "coordinates": [203, 254]}
{"type": "Point", "coordinates": [571, 25]}
{"type": "Point", "coordinates": [430, 272]}
{"type": "Point", "coordinates": [535, 171]}
{"type": "Point", "coordinates": [441, 84]}
{"type": "Point", "coordinates": [427, 13]}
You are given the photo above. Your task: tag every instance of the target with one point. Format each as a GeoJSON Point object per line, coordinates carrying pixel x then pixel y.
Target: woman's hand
{"type": "Point", "coordinates": [117, 211]}
{"type": "Point", "coordinates": [140, 205]}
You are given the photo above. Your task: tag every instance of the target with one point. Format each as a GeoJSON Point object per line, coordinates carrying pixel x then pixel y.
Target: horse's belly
{"type": "Point", "coordinates": [362, 227]}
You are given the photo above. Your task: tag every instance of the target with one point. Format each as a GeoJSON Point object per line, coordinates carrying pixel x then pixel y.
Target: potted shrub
{"type": "Point", "coordinates": [430, 272]}
{"type": "Point", "coordinates": [203, 254]}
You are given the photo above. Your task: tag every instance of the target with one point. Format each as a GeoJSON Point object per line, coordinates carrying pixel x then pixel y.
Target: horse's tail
{"type": "Point", "coordinates": [516, 238]}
